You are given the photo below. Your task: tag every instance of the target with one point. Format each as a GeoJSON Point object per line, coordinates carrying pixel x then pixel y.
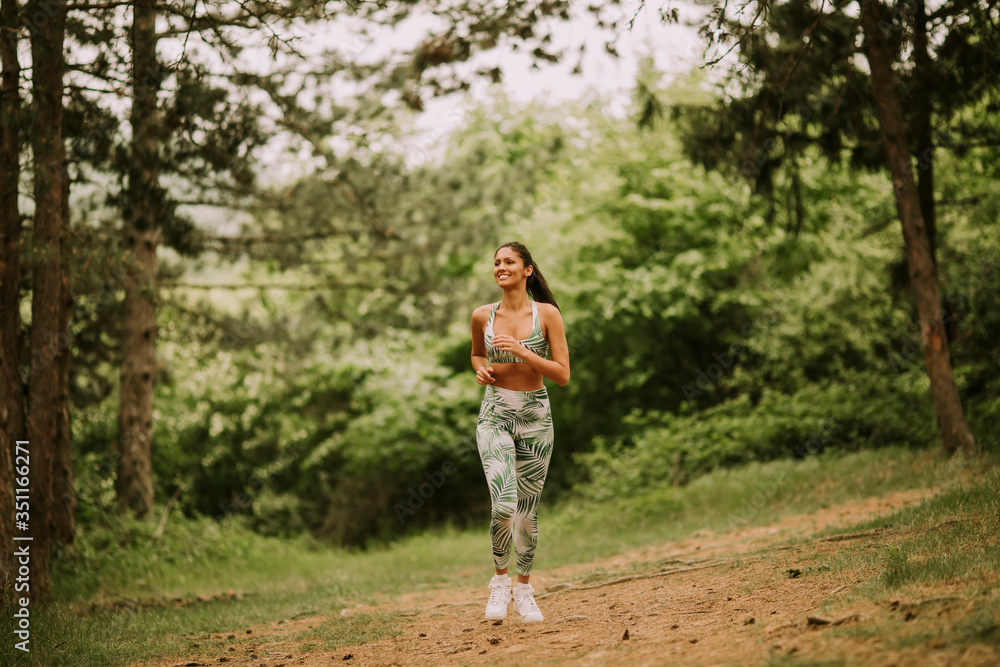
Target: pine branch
{"type": "Point", "coordinates": [79, 67]}
{"type": "Point", "coordinates": [800, 54]}
{"type": "Point", "coordinates": [212, 203]}
{"type": "Point", "coordinates": [187, 35]}
{"type": "Point", "coordinates": [87, 6]}
{"type": "Point", "coordinates": [279, 286]}
{"type": "Point", "coordinates": [103, 91]}
{"type": "Point", "coordinates": [964, 201]}
{"type": "Point", "coordinates": [194, 177]}
{"type": "Point", "coordinates": [744, 32]}
{"type": "Point", "coordinates": [275, 37]}
{"type": "Point", "coordinates": [279, 238]}
{"type": "Point", "coordinates": [945, 11]}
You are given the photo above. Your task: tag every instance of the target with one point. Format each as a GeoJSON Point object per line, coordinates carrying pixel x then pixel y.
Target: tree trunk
{"type": "Point", "coordinates": [48, 333]}
{"type": "Point", "coordinates": [63, 518]}
{"type": "Point", "coordinates": [923, 139]}
{"type": "Point", "coordinates": [923, 276]}
{"type": "Point", "coordinates": [135, 416]}
{"type": "Point", "coordinates": [11, 339]}
{"type": "Point", "coordinates": [923, 123]}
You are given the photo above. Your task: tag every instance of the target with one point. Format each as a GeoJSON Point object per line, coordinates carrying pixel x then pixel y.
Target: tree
{"type": "Point", "coordinates": [43, 420]}
{"type": "Point", "coordinates": [11, 338]}
{"type": "Point", "coordinates": [923, 274]}
{"type": "Point", "coordinates": [50, 280]}
{"type": "Point", "coordinates": [805, 88]}
{"type": "Point", "coordinates": [142, 237]}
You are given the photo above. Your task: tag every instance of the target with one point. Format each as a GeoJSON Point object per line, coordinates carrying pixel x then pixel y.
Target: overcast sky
{"type": "Point", "coordinates": [675, 48]}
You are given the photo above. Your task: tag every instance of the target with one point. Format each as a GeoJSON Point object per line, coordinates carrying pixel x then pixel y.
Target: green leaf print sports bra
{"type": "Point", "coordinates": [535, 342]}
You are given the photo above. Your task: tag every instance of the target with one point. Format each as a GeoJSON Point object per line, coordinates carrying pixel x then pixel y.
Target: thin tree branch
{"type": "Point", "coordinates": [278, 238]}
{"type": "Point", "coordinates": [964, 201]}
{"type": "Point", "coordinates": [800, 53]}
{"type": "Point", "coordinates": [744, 32]}
{"type": "Point", "coordinates": [621, 580]}
{"type": "Point", "coordinates": [99, 5]}
{"type": "Point", "coordinates": [279, 286]}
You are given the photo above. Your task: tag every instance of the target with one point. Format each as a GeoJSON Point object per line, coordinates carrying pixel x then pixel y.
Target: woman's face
{"type": "Point", "coordinates": [508, 268]}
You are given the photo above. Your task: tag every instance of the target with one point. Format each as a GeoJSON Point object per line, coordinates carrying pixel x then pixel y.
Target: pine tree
{"type": "Point", "coordinates": [11, 338]}
{"type": "Point", "coordinates": [804, 88]}
{"type": "Point", "coordinates": [50, 281]}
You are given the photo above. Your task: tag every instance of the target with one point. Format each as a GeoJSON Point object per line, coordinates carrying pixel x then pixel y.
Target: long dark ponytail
{"type": "Point", "coordinates": [537, 287]}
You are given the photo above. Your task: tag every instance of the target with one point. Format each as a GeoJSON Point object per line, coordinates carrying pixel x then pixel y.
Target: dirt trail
{"type": "Point", "coordinates": [710, 599]}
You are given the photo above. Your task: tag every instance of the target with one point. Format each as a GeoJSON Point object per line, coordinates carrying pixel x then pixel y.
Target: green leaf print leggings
{"type": "Point", "coordinates": [515, 438]}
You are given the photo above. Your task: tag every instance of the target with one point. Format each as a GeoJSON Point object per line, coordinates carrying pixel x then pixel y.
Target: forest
{"type": "Point", "coordinates": [236, 275]}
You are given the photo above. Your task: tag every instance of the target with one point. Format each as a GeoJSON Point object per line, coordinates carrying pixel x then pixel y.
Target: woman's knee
{"type": "Point", "coordinates": [504, 510]}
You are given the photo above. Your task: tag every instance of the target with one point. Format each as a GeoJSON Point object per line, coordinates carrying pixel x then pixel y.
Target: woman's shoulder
{"type": "Point", "coordinates": [482, 312]}
{"type": "Point", "coordinates": [549, 316]}
{"type": "Point", "coordinates": [548, 310]}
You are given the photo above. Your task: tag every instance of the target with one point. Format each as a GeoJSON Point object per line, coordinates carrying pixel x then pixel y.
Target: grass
{"type": "Point", "coordinates": [928, 580]}
{"type": "Point", "coordinates": [750, 495]}
{"type": "Point", "coordinates": [283, 579]}
{"type": "Point", "coordinates": [949, 537]}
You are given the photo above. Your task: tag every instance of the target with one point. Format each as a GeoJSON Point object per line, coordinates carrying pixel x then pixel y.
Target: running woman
{"type": "Point", "coordinates": [511, 344]}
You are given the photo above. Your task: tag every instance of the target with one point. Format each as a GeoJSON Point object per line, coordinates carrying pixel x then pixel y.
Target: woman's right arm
{"type": "Point", "coordinates": [480, 364]}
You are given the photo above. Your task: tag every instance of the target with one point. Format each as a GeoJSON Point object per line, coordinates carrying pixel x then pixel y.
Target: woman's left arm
{"type": "Point", "coordinates": [556, 368]}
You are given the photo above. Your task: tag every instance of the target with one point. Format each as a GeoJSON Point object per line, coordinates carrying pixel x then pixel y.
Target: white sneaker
{"type": "Point", "coordinates": [524, 602]}
{"type": "Point", "coordinates": [496, 608]}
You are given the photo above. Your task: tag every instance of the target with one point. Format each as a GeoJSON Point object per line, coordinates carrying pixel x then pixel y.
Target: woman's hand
{"type": "Point", "coordinates": [510, 344]}
{"type": "Point", "coordinates": [485, 375]}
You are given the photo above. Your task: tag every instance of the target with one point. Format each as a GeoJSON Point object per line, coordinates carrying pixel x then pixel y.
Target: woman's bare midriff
{"type": "Point", "coordinates": [519, 377]}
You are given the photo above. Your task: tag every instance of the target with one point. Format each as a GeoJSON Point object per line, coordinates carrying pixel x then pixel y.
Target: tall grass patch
{"type": "Point", "coordinates": [950, 539]}
{"type": "Point", "coordinates": [600, 525]}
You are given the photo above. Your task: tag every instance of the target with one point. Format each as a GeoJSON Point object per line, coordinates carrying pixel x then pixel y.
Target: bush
{"type": "Point", "coordinates": [852, 412]}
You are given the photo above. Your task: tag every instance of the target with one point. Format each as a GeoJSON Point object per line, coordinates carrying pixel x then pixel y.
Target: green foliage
{"type": "Point", "coordinates": [293, 444]}
{"type": "Point", "coordinates": [702, 333]}
{"type": "Point", "coordinates": [654, 293]}
{"type": "Point", "coordinates": [770, 344]}
{"type": "Point", "coordinates": [857, 411]}
{"type": "Point", "coordinates": [969, 269]}
{"type": "Point", "coordinates": [331, 448]}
